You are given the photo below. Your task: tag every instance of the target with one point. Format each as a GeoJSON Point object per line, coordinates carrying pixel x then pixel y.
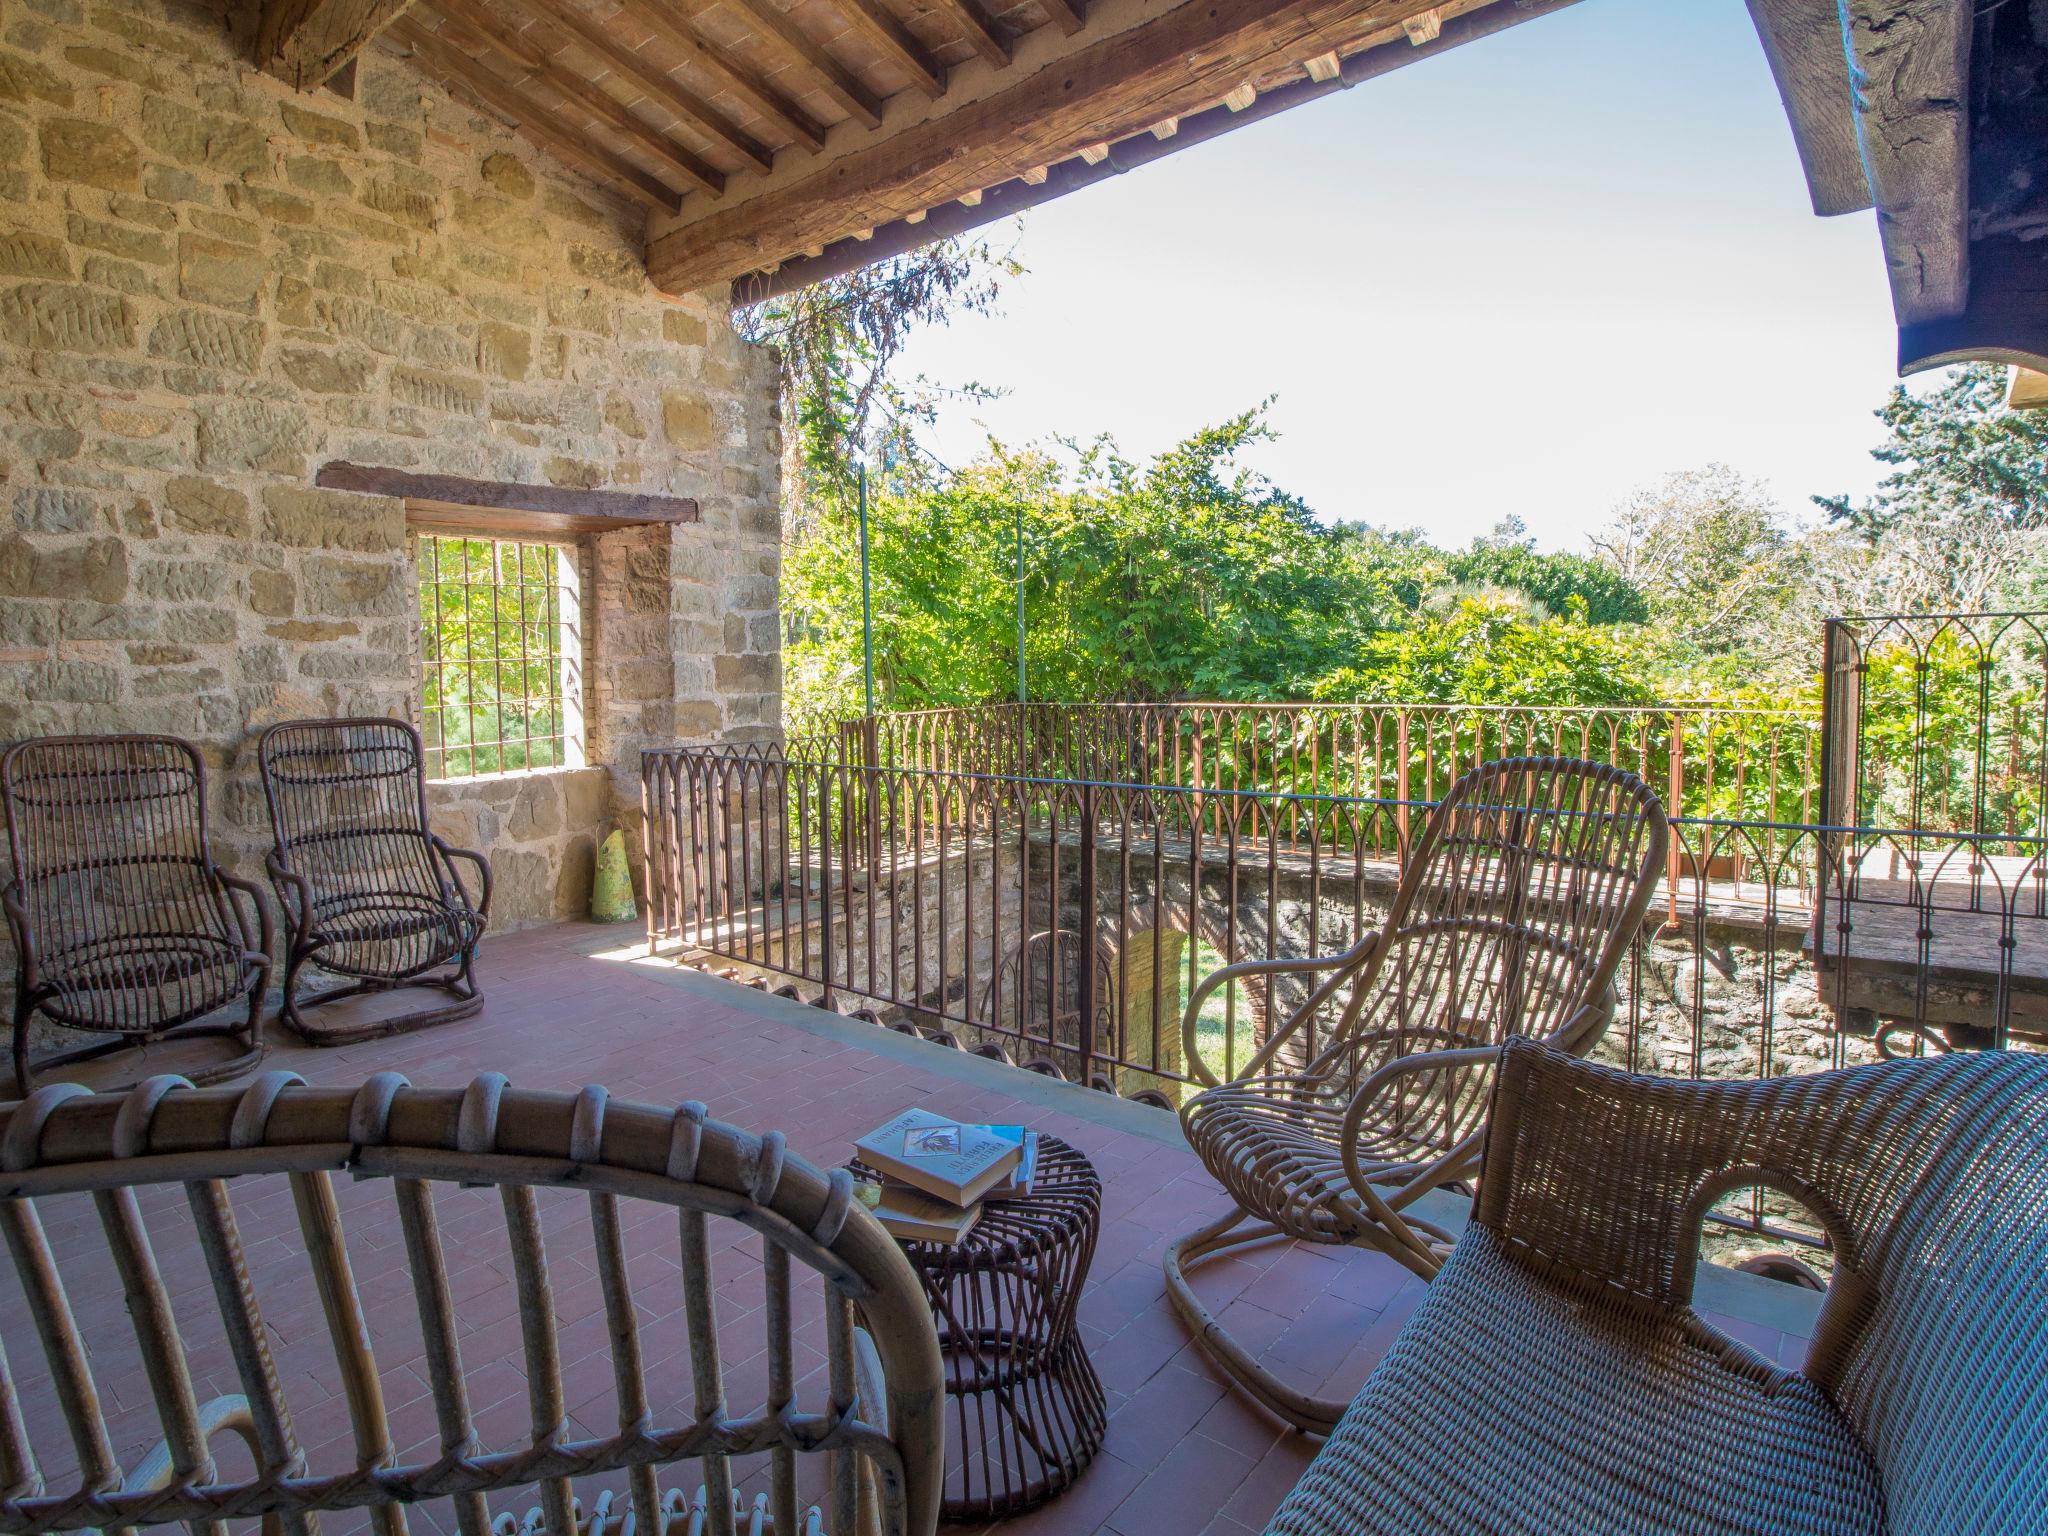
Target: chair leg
{"type": "Point", "coordinates": [23, 1012]}
{"type": "Point", "coordinates": [1311, 1415]}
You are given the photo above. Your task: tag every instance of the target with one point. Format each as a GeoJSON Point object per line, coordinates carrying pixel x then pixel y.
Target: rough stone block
{"type": "Point", "coordinates": [253, 435]}
{"type": "Point", "coordinates": [324, 371]}
{"type": "Point", "coordinates": [66, 317]}
{"type": "Point", "coordinates": [97, 154]}
{"type": "Point", "coordinates": [205, 338]}
{"type": "Point", "coordinates": [24, 253]}
{"type": "Point", "coordinates": [93, 569]}
{"type": "Point", "coordinates": [686, 419]}
{"type": "Point", "coordinates": [220, 272]}
{"type": "Point", "coordinates": [306, 518]}
{"type": "Point", "coordinates": [55, 509]}
{"type": "Point", "coordinates": [25, 81]}
{"type": "Point", "coordinates": [504, 351]}
{"type": "Point", "coordinates": [508, 174]}
{"type": "Point", "coordinates": [434, 391]}
{"type": "Point", "coordinates": [319, 128]}
{"type": "Point", "coordinates": [207, 507]}
{"type": "Point", "coordinates": [235, 147]}
{"type": "Point", "coordinates": [272, 594]}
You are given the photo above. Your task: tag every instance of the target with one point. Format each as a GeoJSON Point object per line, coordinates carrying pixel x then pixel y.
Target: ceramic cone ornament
{"type": "Point", "coordinates": [611, 894]}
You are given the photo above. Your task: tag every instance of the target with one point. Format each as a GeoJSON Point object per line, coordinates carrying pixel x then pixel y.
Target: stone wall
{"type": "Point", "coordinates": [209, 286]}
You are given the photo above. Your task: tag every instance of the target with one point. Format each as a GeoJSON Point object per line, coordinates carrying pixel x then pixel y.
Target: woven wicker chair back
{"type": "Point", "coordinates": [804, 1406]}
{"type": "Point", "coordinates": [1931, 1178]}
{"type": "Point", "coordinates": [1518, 901]}
{"type": "Point", "coordinates": [348, 807]}
{"type": "Point", "coordinates": [118, 898]}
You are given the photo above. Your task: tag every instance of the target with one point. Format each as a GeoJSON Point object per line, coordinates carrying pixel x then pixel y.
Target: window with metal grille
{"type": "Point", "coordinates": [499, 656]}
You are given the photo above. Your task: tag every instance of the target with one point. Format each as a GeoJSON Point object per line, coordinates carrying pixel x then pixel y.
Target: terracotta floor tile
{"type": "Point", "coordinates": [1184, 1454]}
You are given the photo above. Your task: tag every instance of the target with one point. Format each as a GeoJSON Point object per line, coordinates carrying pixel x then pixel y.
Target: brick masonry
{"type": "Point", "coordinates": [209, 286]}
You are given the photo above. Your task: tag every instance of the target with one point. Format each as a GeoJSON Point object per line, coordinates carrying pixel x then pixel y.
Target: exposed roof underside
{"type": "Point", "coordinates": [775, 142]}
{"type": "Point", "coordinates": [1935, 113]}
{"type": "Point", "coordinates": [761, 135]}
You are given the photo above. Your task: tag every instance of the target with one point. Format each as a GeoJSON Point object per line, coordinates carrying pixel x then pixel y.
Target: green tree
{"type": "Point", "coordinates": [1955, 452]}
{"type": "Point", "coordinates": [1709, 552]}
{"type": "Point", "coordinates": [1494, 649]}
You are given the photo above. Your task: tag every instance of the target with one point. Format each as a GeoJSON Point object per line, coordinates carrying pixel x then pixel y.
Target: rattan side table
{"type": "Point", "coordinates": [1025, 1408]}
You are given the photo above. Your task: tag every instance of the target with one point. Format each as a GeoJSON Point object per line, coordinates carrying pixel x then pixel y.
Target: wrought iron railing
{"type": "Point", "coordinates": [1061, 924]}
{"type": "Point", "coordinates": [1703, 759]}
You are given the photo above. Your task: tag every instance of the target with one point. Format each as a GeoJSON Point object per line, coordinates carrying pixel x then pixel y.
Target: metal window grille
{"type": "Point", "coordinates": [491, 653]}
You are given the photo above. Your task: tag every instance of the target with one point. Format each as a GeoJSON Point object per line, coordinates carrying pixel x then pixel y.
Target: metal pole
{"type": "Point", "coordinates": [867, 615]}
{"type": "Point", "coordinates": [1020, 602]}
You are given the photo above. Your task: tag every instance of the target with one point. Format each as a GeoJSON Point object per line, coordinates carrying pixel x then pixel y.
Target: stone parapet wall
{"type": "Point", "coordinates": [211, 285]}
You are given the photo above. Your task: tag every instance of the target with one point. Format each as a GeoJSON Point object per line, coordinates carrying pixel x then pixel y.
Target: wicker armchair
{"type": "Point", "coordinates": [371, 894]}
{"type": "Point", "coordinates": [774, 1369]}
{"type": "Point", "coordinates": [1517, 902]}
{"type": "Point", "coordinates": [1556, 1377]}
{"type": "Point", "coordinates": [122, 924]}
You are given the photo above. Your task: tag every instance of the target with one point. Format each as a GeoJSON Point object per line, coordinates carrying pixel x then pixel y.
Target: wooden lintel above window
{"type": "Point", "coordinates": [506, 506]}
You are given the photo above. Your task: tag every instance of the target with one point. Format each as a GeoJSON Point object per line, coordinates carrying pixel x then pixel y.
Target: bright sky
{"type": "Point", "coordinates": [1526, 276]}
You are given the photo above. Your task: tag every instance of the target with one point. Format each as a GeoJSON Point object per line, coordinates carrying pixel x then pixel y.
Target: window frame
{"type": "Point", "coordinates": [570, 645]}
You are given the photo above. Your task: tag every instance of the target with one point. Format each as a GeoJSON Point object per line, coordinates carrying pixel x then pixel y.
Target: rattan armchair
{"type": "Point", "coordinates": [814, 1364]}
{"type": "Point", "coordinates": [1517, 902]}
{"type": "Point", "coordinates": [122, 924]}
{"type": "Point", "coordinates": [1556, 1377]}
{"type": "Point", "coordinates": [371, 894]}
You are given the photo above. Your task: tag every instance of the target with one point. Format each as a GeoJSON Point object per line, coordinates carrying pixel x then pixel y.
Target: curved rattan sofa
{"type": "Point", "coordinates": [803, 1277]}
{"type": "Point", "coordinates": [1556, 1378]}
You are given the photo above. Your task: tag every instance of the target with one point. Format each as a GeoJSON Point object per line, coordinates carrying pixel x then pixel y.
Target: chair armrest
{"type": "Point", "coordinates": [294, 894]}
{"type": "Point", "coordinates": [480, 904]}
{"type": "Point", "coordinates": [156, 1471]}
{"type": "Point", "coordinates": [261, 941]}
{"type": "Point", "coordinates": [1608, 1176]}
{"type": "Point", "coordinates": [1342, 963]}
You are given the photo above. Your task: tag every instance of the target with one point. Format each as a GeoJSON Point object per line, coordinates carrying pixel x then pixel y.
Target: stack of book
{"type": "Point", "coordinates": [933, 1175]}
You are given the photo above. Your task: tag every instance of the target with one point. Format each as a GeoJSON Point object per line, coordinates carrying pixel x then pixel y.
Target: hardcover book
{"type": "Point", "coordinates": [912, 1216]}
{"type": "Point", "coordinates": [942, 1157]}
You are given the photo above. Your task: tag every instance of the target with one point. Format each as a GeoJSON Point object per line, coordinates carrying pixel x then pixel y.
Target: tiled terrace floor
{"type": "Point", "coordinates": [1183, 1456]}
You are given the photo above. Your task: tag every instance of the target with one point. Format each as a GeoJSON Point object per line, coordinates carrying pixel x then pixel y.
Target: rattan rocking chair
{"type": "Point", "coordinates": [814, 1378]}
{"type": "Point", "coordinates": [371, 893]}
{"type": "Point", "coordinates": [122, 924]}
{"type": "Point", "coordinates": [1517, 902]}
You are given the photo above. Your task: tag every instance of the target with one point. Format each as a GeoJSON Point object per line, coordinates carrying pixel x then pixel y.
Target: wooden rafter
{"type": "Point", "coordinates": [305, 43]}
{"type": "Point", "coordinates": [895, 40]}
{"type": "Point", "coordinates": [1067, 15]}
{"type": "Point", "coordinates": [700, 51]}
{"type": "Point", "coordinates": [1179, 61]}
{"type": "Point", "coordinates": [1912, 94]}
{"type": "Point", "coordinates": [540, 70]}
{"type": "Point", "coordinates": [1038, 184]}
{"type": "Point", "coordinates": [982, 32]}
{"type": "Point", "coordinates": [628, 65]}
{"type": "Point", "coordinates": [841, 84]}
{"type": "Point", "coordinates": [535, 120]}
{"type": "Point", "coordinates": [1803, 41]}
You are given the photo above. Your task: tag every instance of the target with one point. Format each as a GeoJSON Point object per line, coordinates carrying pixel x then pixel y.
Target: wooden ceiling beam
{"type": "Point", "coordinates": [713, 60]}
{"type": "Point", "coordinates": [642, 74]}
{"type": "Point", "coordinates": [1039, 184]}
{"type": "Point", "coordinates": [305, 43]}
{"type": "Point", "coordinates": [592, 98]}
{"type": "Point", "coordinates": [982, 32]}
{"type": "Point", "coordinates": [1803, 43]}
{"type": "Point", "coordinates": [1065, 14]}
{"type": "Point", "coordinates": [535, 120]}
{"type": "Point", "coordinates": [896, 41]}
{"type": "Point", "coordinates": [1172, 63]}
{"type": "Point", "coordinates": [1912, 93]}
{"type": "Point", "coordinates": [838, 82]}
